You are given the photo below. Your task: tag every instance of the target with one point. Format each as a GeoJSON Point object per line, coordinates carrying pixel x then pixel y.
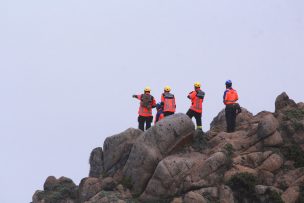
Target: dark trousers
{"type": "Point", "coordinates": [230, 113]}
{"type": "Point", "coordinates": [167, 113]}
{"type": "Point", "coordinates": [144, 119]}
{"type": "Point", "coordinates": [197, 116]}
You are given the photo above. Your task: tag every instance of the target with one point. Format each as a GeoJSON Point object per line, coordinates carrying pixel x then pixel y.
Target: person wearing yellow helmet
{"type": "Point", "coordinates": [147, 102]}
{"type": "Point", "coordinates": [168, 102]}
{"type": "Point", "coordinates": [197, 97]}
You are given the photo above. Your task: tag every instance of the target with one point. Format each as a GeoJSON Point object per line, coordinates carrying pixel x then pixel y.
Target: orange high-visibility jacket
{"type": "Point", "coordinates": [197, 98]}
{"type": "Point", "coordinates": [144, 111]}
{"type": "Point", "coordinates": [230, 96]}
{"type": "Point", "coordinates": [168, 101]}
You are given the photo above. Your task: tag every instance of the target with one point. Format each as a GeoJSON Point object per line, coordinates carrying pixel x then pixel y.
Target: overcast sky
{"type": "Point", "coordinates": [68, 70]}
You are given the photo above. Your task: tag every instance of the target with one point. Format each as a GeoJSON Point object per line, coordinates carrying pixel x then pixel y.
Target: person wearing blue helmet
{"type": "Point", "coordinates": [160, 113]}
{"type": "Point", "coordinates": [230, 99]}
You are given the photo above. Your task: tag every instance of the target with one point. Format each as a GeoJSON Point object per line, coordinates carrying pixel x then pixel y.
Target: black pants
{"type": "Point", "coordinates": [197, 116]}
{"type": "Point", "coordinates": [167, 113]}
{"type": "Point", "coordinates": [142, 120]}
{"type": "Point", "coordinates": [230, 113]}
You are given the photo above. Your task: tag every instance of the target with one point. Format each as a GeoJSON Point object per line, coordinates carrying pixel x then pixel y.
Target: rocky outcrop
{"type": "Point", "coordinates": [62, 190]}
{"type": "Point", "coordinates": [261, 162]}
{"type": "Point", "coordinates": [117, 149]}
{"type": "Point", "coordinates": [153, 146]}
{"type": "Point", "coordinates": [96, 163]}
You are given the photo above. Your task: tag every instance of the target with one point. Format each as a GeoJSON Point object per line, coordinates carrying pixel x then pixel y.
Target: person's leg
{"type": "Point", "coordinates": [168, 113]}
{"type": "Point", "coordinates": [141, 123]}
{"type": "Point", "coordinates": [190, 113]}
{"type": "Point", "coordinates": [233, 120]}
{"type": "Point", "coordinates": [148, 122]}
{"type": "Point", "coordinates": [198, 118]}
{"type": "Point", "coordinates": [229, 119]}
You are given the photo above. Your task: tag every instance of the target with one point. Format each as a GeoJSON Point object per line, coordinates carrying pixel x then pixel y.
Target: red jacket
{"type": "Point", "coordinates": [197, 98]}
{"type": "Point", "coordinates": [144, 111]}
{"type": "Point", "coordinates": [168, 101]}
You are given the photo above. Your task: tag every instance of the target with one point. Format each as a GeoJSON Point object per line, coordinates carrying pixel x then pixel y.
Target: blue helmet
{"type": "Point", "coordinates": [228, 82]}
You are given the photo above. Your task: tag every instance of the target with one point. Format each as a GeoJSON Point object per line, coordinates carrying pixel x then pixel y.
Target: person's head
{"type": "Point", "coordinates": [147, 90]}
{"type": "Point", "coordinates": [197, 85]}
{"type": "Point", "coordinates": [167, 89]}
{"type": "Point", "coordinates": [228, 84]}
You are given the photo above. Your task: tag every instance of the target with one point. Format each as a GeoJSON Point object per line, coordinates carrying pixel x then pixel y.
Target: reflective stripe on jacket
{"type": "Point", "coordinates": [168, 101]}
{"type": "Point", "coordinates": [197, 98]}
{"type": "Point", "coordinates": [230, 96]}
{"type": "Point", "coordinates": [144, 111]}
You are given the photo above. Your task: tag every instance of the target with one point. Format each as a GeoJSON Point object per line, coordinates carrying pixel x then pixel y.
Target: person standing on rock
{"type": "Point", "coordinates": [197, 98]}
{"type": "Point", "coordinates": [232, 108]}
{"type": "Point", "coordinates": [160, 114]}
{"type": "Point", "coordinates": [147, 102]}
{"type": "Point", "coordinates": [168, 102]}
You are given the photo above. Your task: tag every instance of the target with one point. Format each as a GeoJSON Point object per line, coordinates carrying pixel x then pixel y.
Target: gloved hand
{"type": "Point", "coordinates": [134, 96]}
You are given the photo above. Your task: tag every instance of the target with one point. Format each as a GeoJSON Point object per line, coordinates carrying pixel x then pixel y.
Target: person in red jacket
{"type": "Point", "coordinates": [147, 102]}
{"type": "Point", "coordinates": [196, 109]}
{"type": "Point", "coordinates": [230, 99]}
{"type": "Point", "coordinates": [168, 102]}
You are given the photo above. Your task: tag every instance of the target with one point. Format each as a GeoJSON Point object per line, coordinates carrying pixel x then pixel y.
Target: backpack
{"type": "Point", "coordinates": [200, 94]}
{"type": "Point", "coordinates": [146, 101]}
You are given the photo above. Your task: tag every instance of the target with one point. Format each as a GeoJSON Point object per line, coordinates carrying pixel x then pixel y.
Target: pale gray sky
{"type": "Point", "coordinates": [68, 70]}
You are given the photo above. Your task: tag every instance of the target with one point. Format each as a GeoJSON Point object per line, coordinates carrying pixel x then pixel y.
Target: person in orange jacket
{"type": "Point", "coordinates": [230, 99]}
{"type": "Point", "coordinates": [147, 102]}
{"type": "Point", "coordinates": [196, 109]}
{"type": "Point", "coordinates": [168, 102]}
{"type": "Point", "coordinates": [160, 114]}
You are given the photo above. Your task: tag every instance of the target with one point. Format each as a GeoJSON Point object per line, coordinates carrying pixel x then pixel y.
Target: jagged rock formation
{"type": "Point", "coordinates": [171, 162]}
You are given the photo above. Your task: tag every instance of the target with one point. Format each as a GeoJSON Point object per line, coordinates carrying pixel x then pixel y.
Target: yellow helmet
{"type": "Point", "coordinates": [147, 89]}
{"type": "Point", "coordinates": [197, 84]}
{"type": "Point", "coordinates": [167, 88]}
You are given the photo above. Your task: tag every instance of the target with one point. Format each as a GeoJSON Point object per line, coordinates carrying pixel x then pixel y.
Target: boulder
{"type": "Point", "coordinates": [62, 190]}
{"type": "Point", "coordinates": [291, 195]}
{"type": "Point", "coordinates": [108, 184]}
{"type": "Point", "coordinates": [155, 144]}
{"type": "Point", "coordinates": [170, 175]}
{"type": "Point", "coordinates": [252, 160]}
{"type": "Point", "coordinates": [177, 200]}
{"type": "Point", "coordinates": [275, 140]}
{"type": "Point", "coordinates": [107, 197]}
{"type": "Point", "coordinates": [192, 197]}
{"type": "Point", "coordinates": [218, 124]}
{"type": "Point", "coordinates": [282, 102]}
{"type": "Point", "coordinates": [290, 178]}
{"type": "Point", "coordinates": [210, 193]}
{"type": "Point", "coordinates": [88, 188]}
{"type": "Point", "coordinates": [50, 183]}
{"type": "Point", "coordinates": [226, 194]}
{"type": "Point", "coordinates": [267, 126]}
{"type": "Point", "coordinates": [273, 163]}
{"type": "Point", "coordinates": [96, 163]}
{"type": "Point", "coordinates": [116, 149]}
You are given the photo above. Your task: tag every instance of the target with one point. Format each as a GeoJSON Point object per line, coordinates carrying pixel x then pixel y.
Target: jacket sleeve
{"type": "Point", "coordinates": [191, 95]}
{"type": "Point", "coordinates": [139, 97]}
{"type": "Point", "coordinates": [153, 103]}
{"type": "Point", "coordinates": [224, 97]}
{"type": "Point", "coordinates": [162, 98]}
